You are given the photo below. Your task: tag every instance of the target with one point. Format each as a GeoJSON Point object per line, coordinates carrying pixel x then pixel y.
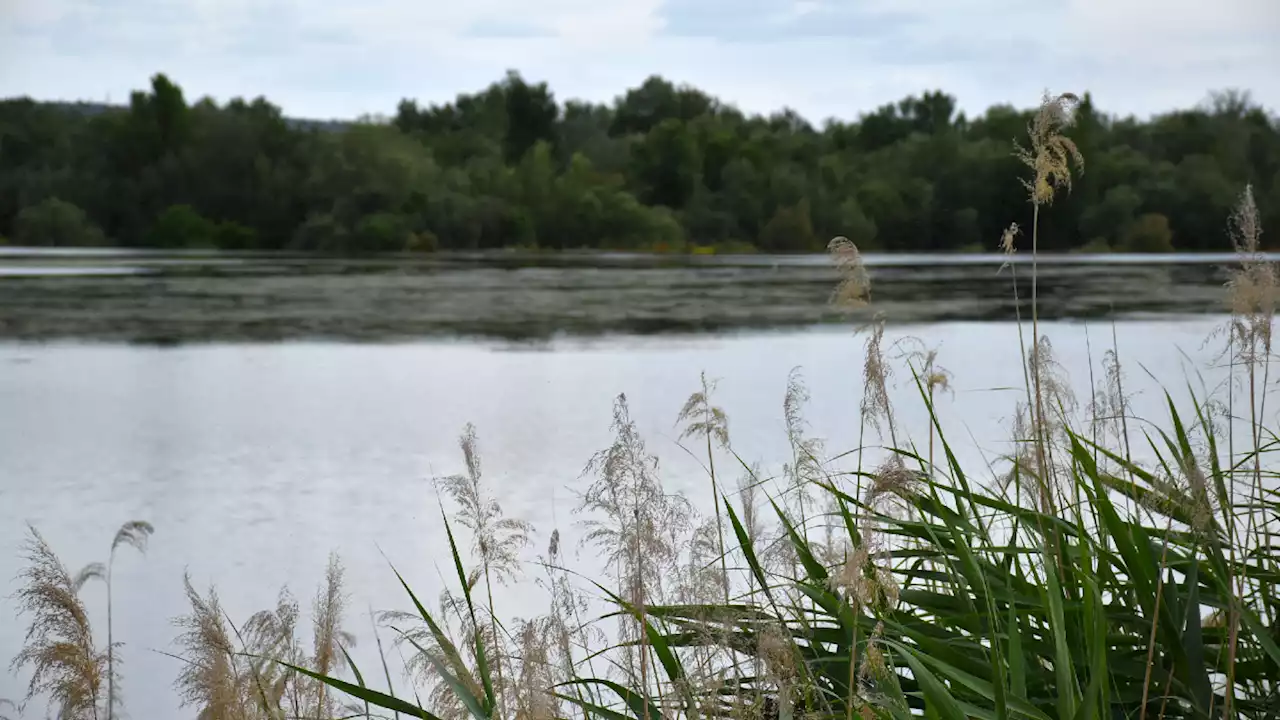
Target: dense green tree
{"type": "Point", "coordinates": [1110, 219]}
{"type": "Point", "coordinates": [655, 101]}
{"type": "Point", "coordinates": [180, 226]}
{"type": "Point", "coordinates": [531, 116]}
{"type": "Point", "coordinates": [56, 223]}
{"type": "Point", "coordinates": [1149, 234]}
{"type": "Point", "coordinates": [664, 166]}
{"type": "Point", "coordinates": [789, 230]}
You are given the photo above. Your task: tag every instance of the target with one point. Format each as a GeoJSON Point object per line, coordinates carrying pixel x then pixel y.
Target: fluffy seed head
{"type": "Point", "coordinates": [854, 290]}
{"type": "Point", "coordinates": [1050, 154]}
{"type": "Point", "coordinates": [1252, 289]}
{"type": "Point", "coordinates": [773, 646]}
{"type": "Point", "coordinates": [59, 646]}
{"type": "Point", "coordinates": [1008, 237]}
{"type": "Point", "coordinates": [876, 409]}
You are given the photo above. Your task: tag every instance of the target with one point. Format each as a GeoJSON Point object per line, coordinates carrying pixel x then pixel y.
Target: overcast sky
{"type": "Point", "coordinates": [344, 58]}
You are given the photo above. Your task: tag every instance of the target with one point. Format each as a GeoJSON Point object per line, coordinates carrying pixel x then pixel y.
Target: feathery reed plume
{"type": "Point", "coordinates": [701, 575]}
{"type": "Point", "coordinates": [1252, 292]}
{"type": "Point", "coordinates": [636, 525]}
{"type": "Point", "coordinates": [880, 683]}
{"type": "Point", "coordinates": [496, 539]}
{"type": "Point", "coordinates": [209, 679]}
{"type": "Point", "coordinates": [877, 411]}
{"type": "Point", "coordinates": [892, 487]}
{"type": "Point", "coordinates": [1200, 505]}
{"type": "Point", "coordinates": [864, 574]}
{"type": "Point", "coordinates": [805, 469]}
{"type": "Point", "coordinates": [568, 606]}
{"type": "Point", "coordinates": [1008, 240]}
{"type": "Point", "coordinates": [756, 532]}
{"type": "Point", "coordinates": [58, 645]}
{"type": "Point", "coordinates": [778, 654]}
{"type": "Point", "coordinates": [793, 405]}
{"type": "Point", "coordinates": [328, 608]}
{"type": "Point", "coordinates": [759, 533]}
{"type": "Point", "coordinates": [12, 706]}
{"type": "Point", "coordinates": [1253, 285]}
{"type": "Point", "coordinates": [703, 420]}
{"type": "Point", "coordinates": [1055, 388]}
{"type": "Point", "coordinates": [935, 376]}
{"type": "Point", "coordinates": [854, 290]}
{"type": "Point", "coordinates": [567, 609]}
{"type": "Point", "coordinates": [1109, 407]}
{"type": "Point", "coordinates": [538, 672]}
{"type": "Point", "coordinates": [749, 500]}
{"type": "Point", "coordinates": [857, 577]}
{"type": "Point", "coordinates": [1022, 474]}
{"type": "Point", "coordinates": [1043, 432]}
{"type": "Point", "coordinates": [270, 636]}
{"type": "Point", "coordinates": [251, 682]}
{"type": "Point", "coordinates": [1050, 156]}
{"type": "Point", "coordinates": [134, 534]}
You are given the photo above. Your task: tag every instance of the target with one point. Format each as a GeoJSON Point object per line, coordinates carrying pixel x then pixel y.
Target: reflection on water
{"type": "Point", "coordinates": [152, 297]}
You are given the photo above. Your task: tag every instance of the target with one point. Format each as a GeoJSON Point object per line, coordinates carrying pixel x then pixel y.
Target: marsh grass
{"type": "Point", "coordinates": [65, 662]}
{"type": "Point", "coordinates": [496, 540]}
{"type": "Point", "coordinates": [701, 419]}
{"type": "Point", "coordinates": [59, 645]}
{"type": "Point", "coordinates": [1107, 567]}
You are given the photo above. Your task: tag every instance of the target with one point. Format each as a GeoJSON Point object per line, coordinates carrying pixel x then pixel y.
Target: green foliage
{"type": "Point", "coordinates": [1149, 234]}
{"type": "Point", "coordinates": [1110, 218]}
{"type": "Point", "coordinates": [423, 241]}
{"type": "Point", "coordinates": [56, 223]}
{"type": "Point", "coordinates": [322, 233]}
{"type": "Point", "coordinates": [660, 167]}
{"type": "Point", "coordinates": [231, 235]}
{"type": "Point", "coordinates": [383, 232]}
{"type": "Point", "coordinates": [180, 226]}
{"type": "Point", "coordinates": [789, 230]}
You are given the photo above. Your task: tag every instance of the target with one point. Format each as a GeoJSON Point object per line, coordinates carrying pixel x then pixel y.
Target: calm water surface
{"type": "Point", "coordinates": [254, 459]}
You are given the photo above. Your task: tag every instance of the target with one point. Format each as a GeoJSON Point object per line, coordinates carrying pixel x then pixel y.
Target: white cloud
{"type": "Point", "coordinates": [337, 58]}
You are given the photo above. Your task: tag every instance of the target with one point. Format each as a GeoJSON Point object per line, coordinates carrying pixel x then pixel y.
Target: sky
{"type": "Point", "coordinates": [822, 58]}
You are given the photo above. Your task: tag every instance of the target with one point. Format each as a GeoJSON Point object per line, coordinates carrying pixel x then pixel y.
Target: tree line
{"type": "Point", "coordinates": [663, 167]}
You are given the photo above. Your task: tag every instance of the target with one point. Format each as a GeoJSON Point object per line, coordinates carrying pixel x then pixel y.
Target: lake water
{"type": "Point", "coordinates": [255, 458]}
